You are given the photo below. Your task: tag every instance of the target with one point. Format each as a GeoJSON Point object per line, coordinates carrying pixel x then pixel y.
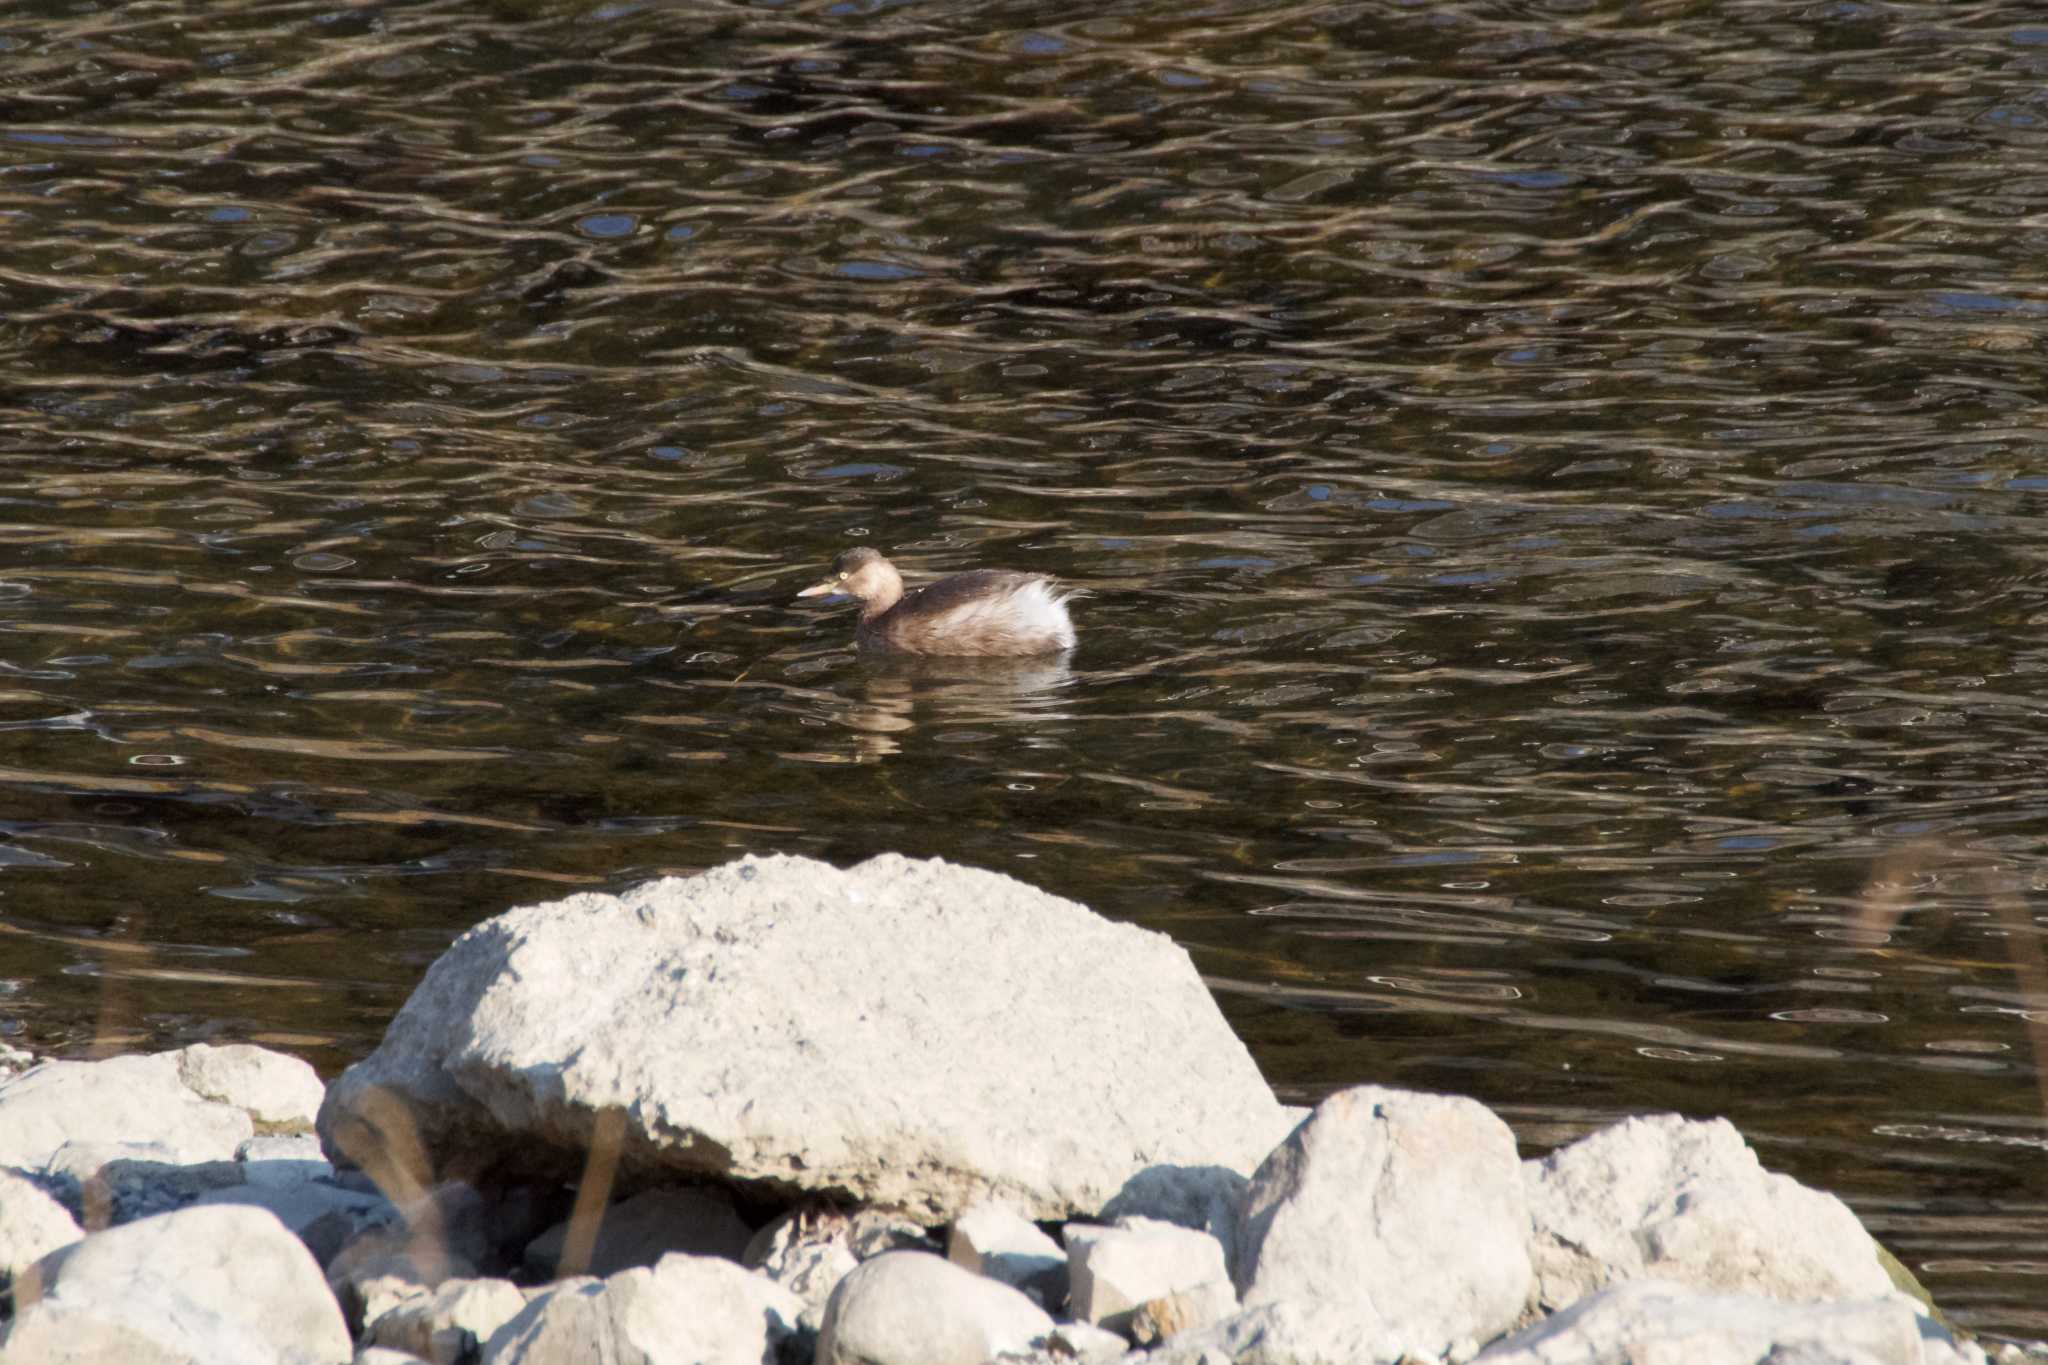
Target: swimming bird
{"type": "Point", "coordinates": [983, 612]}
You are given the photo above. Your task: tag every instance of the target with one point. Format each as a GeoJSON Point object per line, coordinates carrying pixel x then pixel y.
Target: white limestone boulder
{"type": "Point", "coordinates": [1656, 1320]}
{"type": "Point", "coordinates": [1407, 1208]}
{"type": "Point", "coordinates": [1113, 1272]}
{"type": "Point", "coordinates": [1684, 1201]}
{"type": "Point", "coordinates": [229, 1286]}
{"type": "Point", "coordinates": [912, 1034]}
{"type": "Point", "coordinates": [686, 1310]}
{"type": "Point", "coordinates": [996, 1241]}
{"type": "Point", "coordinates": [113, 1101]}
{"type": "Point", "coordinates": [914, 1308]}
{"type": "Point", "coordinates": [32, 1225]}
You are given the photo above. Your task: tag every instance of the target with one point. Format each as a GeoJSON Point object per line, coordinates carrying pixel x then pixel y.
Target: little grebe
{"type": "Point", "coordinates": [982, 612]}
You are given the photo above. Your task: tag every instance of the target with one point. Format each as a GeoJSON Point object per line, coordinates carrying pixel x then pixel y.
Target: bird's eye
{"type": "Point", "coordinates": [842, 578]}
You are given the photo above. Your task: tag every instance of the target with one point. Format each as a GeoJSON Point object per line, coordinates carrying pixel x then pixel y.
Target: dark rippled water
{"type": "Point", "coordinates": [1563, 489]}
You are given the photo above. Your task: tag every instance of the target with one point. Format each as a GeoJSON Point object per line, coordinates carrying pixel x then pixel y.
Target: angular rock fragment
{"type": "Point", "coordinates": [995, 1241]}
{"type": "Point", "coordinates": [1114, 1272]}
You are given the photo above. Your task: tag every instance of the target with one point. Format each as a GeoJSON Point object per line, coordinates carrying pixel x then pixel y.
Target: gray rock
{"type": "Point", "coordinates": [1000, 1243]}
{"type": "Point", "coordinates": [942, 1007]}
{"type": "Point", "coordinates": [1408, 1209]}
{"type": "Point", "coordinates": [32, 1224]}
{"type": "Point", "coordinates": [1656, 1320]}
{"type": "Point", "coordinates": [283, 1159]}
{"type": "Point", "coordinates": [385, 1355]}
{"type": "Point", "coordinates": [1114, 1272]}
{"type": "Point", "coordinates": [1688, 1202]}
{"type": "Point", "coordinates": [640, 1230]}
{"type": "Point", "coordinates": [228, 1286]}
{"type": "Point", "coordinates": [111, 1183]}
{"type": "Point", "coordinates": [687, 1310]}
{"type": "Point", "coordinates": [450, 1323]}
{"type": "Point", "coordinates": [299, 1206]}
{"type": "Point", "coordinates": [914, 1308]}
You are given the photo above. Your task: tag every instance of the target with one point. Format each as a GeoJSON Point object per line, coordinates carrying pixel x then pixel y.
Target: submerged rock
{"type": "Point", "coordinates": [911, 1034]}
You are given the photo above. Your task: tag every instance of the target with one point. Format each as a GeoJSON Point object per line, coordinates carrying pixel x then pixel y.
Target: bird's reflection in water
{"type": "Point", "coordinates": [899, 693]}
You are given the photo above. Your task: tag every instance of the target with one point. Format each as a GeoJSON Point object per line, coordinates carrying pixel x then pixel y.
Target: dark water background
{"type": "Point", "coordinates": [1563, 488]}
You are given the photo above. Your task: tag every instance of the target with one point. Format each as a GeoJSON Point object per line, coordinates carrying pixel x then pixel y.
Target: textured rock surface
{"type": "Point", "coordinates": [911, 1033]}
{"type": "Point", "coordinates": [1000, 1243]}
{"type": "Point", "coordinates": [1113, 1272]}
{"type": "Point", "coordinates": [914, 1308]}
{"type": "Point", "coordinates": [115, 1101]}
{"type": "Point", "coordinates": [32, 1224]}
{"type": "Point", "coordinates": [1657, 1321]}
{"type": "Point", "coordinates": [221, 1285]}
{"type": "Point", "coordinates": [1407, 1208]}
{"type": "Point", "coordinates": [271, 1087]}
{"type": "Point", "coordinates": [1678, 1200]}
{"type": "Point", "coordinates": [685, 1311]}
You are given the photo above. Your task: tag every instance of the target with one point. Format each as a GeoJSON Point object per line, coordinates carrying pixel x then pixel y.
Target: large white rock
{"type": "Point", "coordinates": [32, 1224]}
{"type": "Point", "coordinates": [1406, 1208]}
{"type": "Point", "coordinates": [687, 1310]}
{"type": "Point", "coordinates": [1114, 1271]}
{"type": "Point", "coordinates": [1648, 1322]}
{"type": "Point", "coordinates": [1668, 1198]}
{"type": "Point", "coordinates": [914, 1308]}
{"type": "Point", "coordinates": [114, 1101]}
{"type": "Point", "coordinates": [229, 1286]}
{"type": "Point", "coordinates": [910, 1033]}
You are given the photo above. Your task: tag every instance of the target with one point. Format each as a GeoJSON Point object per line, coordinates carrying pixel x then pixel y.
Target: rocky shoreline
{"type": "Point", "coordinates": [904, 1113]}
